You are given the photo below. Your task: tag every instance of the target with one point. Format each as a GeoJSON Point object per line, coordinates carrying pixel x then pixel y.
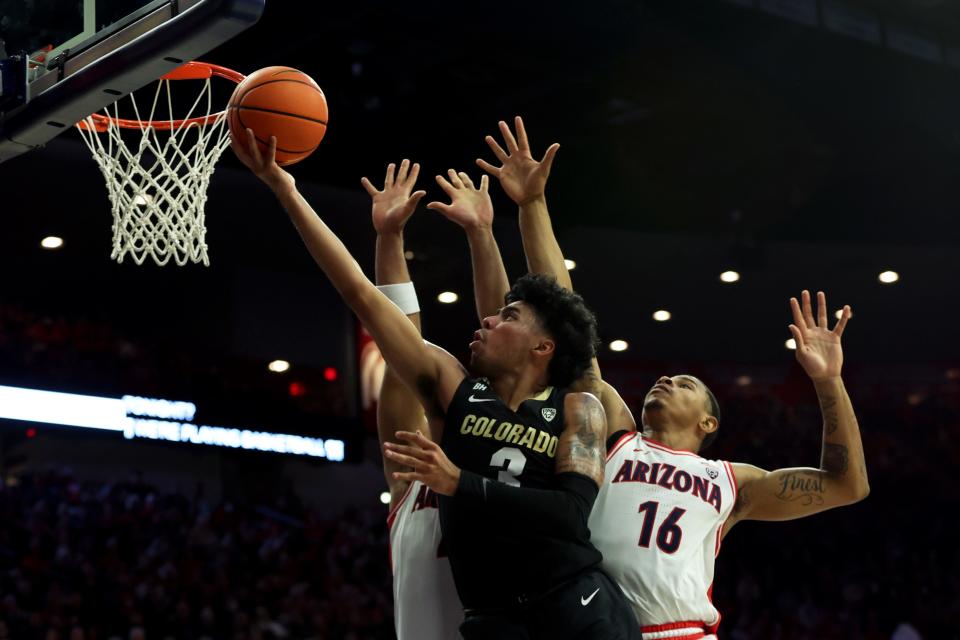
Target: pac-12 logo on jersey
{"type": "Point", "coordinates": [549, 413]}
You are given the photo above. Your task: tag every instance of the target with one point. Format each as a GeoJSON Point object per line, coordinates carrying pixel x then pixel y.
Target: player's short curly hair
{"type": "Point", "coordinates": [566, 318]}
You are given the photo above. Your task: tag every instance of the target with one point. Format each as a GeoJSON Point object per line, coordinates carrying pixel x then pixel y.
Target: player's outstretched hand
{"type": "Point", "coordinates": [470, 206]}
{"type": "Point", "coordinates": [522, 177]}
{"type": "Point", "coordinates": [427, 460]}
{"type": "Point", "coordinates": [263, 165]}
{"type": "Point", "coordinates": [394, 204]}
{"type": "Point", "coordinates": [818, 348]}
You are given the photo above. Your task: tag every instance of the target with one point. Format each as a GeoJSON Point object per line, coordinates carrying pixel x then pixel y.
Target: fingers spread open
{"type": "Point", "coordinates": [448, 188]}
{"type": "Point", "coordinates": [404, 169]}
{"type": "Point", "coordinates": [797, 336]}
{"type": "Point", "coordinates": [822, 310]}
{"type": "Point", "coordinates": [521, 134]}
{"type": "Point", "coordinates": [455, 179]}
{"type": "Point", "coordinates": [466, 179]}
{"type": "Point", "coordinates": [807, 309]}
{"type": "Point", "coordinates": [415, 198]}
{"type": "Point", "coordinates": [442, 207]}
{"type": "Point", "coordinates": [489, 168]}
{"type": "Point", "coordinates": [372, 190]}
{"type": "Point", "coordinates": [548, 157]}
{"type": "Point", "coordinates": [797, 315]}
{"type": "Point", "coordinates": [508, 137]}
{"type": "Point", "coordinates": [388, 180]}
{"type": "Point", "coordinates": [414, 174]}
{"type": "Point", "coordinates": [497, 149]}
{"type": "Point", "coordinates": [842, 323]}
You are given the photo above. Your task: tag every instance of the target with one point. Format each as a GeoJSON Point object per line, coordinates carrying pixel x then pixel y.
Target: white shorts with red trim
{"type": "Point", "coordinates": [679, 631]}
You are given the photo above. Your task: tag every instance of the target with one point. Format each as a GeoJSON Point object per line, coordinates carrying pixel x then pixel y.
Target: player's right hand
{"type": "Point", "coordinates": [394, 204]}
{"type": "Point", "coordinates": [522, 178]}
{"type": "Point", "coordinates": [263, 165]}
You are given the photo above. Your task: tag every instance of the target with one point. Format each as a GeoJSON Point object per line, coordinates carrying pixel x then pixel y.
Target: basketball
{"type": "Point", "coordinates": [281, 102]}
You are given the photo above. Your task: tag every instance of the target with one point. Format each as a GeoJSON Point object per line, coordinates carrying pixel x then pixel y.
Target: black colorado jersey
{"type": "Point", "coordinates": [497, 564]}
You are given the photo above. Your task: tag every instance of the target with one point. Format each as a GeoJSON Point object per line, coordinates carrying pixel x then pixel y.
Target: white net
{"type": "Point", "coordinates": [157, 177]}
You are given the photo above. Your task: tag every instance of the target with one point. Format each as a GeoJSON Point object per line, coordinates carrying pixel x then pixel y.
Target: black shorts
{"type": "Point", "coordinates": [589, 607]}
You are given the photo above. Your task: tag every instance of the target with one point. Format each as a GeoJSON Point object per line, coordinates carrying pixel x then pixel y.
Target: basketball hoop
{"type": "Point", "coordinates": [157, 181]}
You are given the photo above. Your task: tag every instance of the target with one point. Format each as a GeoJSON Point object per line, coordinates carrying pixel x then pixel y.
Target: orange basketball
{"type": "Point", "coordinates": [281, 102]}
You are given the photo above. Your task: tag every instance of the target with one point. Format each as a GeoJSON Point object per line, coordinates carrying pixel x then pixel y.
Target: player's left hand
{"type": "Point", "coordinates": [396, 202]}
{"type": "Point", "coordinates": [818, 348]}
{"type": "Point", "coordinates": [470, 206]}
{"type": "Point", "coordinates": [429, 463]}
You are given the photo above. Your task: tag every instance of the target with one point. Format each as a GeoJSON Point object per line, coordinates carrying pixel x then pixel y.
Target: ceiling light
{"type": "Point", "coordinates": [51, 242]}
{"type": "Point", "coordinates": [790, 344]}
{"type": "Point", "coordinates": [278, 366]}
{"type": "Point", "coordinates": [619, 345]}
{"type": "Point", "coordinates": [888, 277]}
{"type": "Point", "coordinates": [385, 497]}
{"type": "Point", "coordinates": [448, 297]}
{"type": "Point", "coordinates": [729, 276]}
{"type": "Point", "coordinates": [661, 315]}
{"type": "Point", "coordinates": [570, 264]}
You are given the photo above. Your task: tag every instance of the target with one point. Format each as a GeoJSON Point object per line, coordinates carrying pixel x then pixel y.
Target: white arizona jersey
{"type": "Point", "coordinates": [657, 521]}
{"type": "Point", "coordinates": [425, 602]}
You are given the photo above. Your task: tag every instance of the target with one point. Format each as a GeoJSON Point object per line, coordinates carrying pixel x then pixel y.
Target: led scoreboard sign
{"type": "Point", "coordinates": [153, 419]}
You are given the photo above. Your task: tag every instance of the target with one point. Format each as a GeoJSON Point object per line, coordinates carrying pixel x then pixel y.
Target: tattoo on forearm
{"type": "Point", "coordinates": [835, 458]}
{"type": "Point", "coordinates": [586, 447]}
{"type": "Point", "coordinates": [831, 417]}
{"type": "Point", "coordinates": [804, 487]}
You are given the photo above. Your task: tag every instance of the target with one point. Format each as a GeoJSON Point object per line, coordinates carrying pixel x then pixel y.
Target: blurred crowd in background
{"type": "Point", "coordinates": [85, 560]}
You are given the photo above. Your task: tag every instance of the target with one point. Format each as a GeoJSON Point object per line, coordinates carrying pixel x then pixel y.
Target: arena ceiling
{"type": "Point", "coordinates": [696, 137]}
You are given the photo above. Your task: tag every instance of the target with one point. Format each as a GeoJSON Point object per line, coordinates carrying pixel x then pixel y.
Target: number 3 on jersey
{"type": "Point", "coordinates": [510, 461]}
{"type": "Point", "coordinates": [669, 534]}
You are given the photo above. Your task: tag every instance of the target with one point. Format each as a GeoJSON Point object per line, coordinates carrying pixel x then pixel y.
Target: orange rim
{"type": "Point", "coordinates": [189, 71]}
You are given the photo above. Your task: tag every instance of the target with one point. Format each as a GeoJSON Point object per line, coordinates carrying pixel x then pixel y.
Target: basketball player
{"type": "Point", "coordinates": [680, 504]}
{"type": "Point", "coordinates": [514, 422]}
{"type": "Point", "coordinates": [425, 602]}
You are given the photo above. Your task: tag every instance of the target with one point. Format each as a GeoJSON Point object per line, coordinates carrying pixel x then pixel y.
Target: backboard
{"type": "Point", "coordinates": [62, 60]}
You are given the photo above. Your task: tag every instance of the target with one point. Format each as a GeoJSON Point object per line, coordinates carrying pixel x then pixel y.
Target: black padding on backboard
{"type": "Point", "coordinates": [190, 33]}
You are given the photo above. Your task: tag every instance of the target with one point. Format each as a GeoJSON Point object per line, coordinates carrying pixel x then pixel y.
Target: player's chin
{"type": "Point", "coordinates": [654, 402]}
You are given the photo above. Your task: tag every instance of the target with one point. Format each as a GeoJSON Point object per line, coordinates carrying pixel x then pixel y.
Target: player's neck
{"type": "Point", "coordinates": [514, 387]}
{"type": "Point", "coordinates": [674, 439]}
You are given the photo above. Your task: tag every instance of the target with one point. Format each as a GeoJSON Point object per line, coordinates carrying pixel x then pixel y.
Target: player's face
{"type": "Point", "coordinates": [680, 400]}
{"type": "Point", "coordinates": [504, 341]}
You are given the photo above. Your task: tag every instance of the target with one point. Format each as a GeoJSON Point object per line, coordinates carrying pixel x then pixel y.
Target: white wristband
{"type": "Point", "coordinates": [403, 295]}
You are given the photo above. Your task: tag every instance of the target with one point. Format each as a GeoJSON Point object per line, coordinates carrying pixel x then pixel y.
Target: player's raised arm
{"type": "Point", "coordinates": [432, 372]}
{"type": "Point", "coordinates": [524, 180]}
{"type": "Point", "coordinates": [841, 479]}
{"type": "Point", "coordinates": [398, 407]}
{"type": "Point", "coordinates": [471, 208]}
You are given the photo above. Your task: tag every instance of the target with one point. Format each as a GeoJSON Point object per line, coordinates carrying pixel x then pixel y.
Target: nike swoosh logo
{"type": "Point", "coordinates": [472, 399]}
{"type": "Point", "coordinates": [586, 601]}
